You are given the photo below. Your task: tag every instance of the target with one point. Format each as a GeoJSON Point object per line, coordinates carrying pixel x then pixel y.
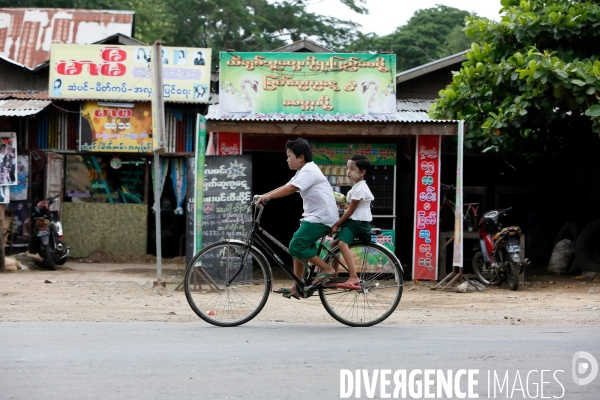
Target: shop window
{"type": "Point", "coordinates": [105, 179]}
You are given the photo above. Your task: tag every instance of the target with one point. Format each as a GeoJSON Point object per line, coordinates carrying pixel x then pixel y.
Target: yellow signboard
{"type": "Point", "coordinates": [116, 127]}
{"type": "Point", "coordinates": [111, 72]}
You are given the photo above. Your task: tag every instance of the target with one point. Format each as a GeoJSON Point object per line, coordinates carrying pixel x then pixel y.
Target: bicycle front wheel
{"type": "Point", "coordinates": [222, 288]}
{"type": "Point", "coordinates": [381, 282]}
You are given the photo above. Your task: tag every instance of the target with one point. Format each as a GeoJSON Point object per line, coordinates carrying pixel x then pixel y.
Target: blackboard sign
{"type": "Point", "coordinates": [227, 194]}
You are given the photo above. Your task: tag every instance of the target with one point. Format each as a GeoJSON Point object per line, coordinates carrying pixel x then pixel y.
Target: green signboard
{"type": "Point", "coordinates": [199, 184]}
{"type": "Point", "coordinates": [342, 85]}
{"type": "Point", "coordinates": [339, 153]}
{"type": "Point", "coordinates": [374, 264]}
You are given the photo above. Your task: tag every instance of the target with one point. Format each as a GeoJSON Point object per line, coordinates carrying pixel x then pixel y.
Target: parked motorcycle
{"type": "Point", "coordinates": [499, 255]}
{"type": "Point", "coordinates": [47, 237]}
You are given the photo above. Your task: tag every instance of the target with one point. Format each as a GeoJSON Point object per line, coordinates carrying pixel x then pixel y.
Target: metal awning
{"type": "Point", "coordinates": [22, 108]}
{"type": "Point", "coordinates": [401, 123]}
{"type": "Point", "coordinates": [404, 116]}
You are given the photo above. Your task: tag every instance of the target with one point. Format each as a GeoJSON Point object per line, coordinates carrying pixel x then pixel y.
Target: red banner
{"type": "Point", "coordinates": [427, 207]}
{"type": "Point", "coordinates": [229, 144]}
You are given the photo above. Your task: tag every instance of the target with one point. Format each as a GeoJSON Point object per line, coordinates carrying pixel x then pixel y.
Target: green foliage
{"type": "Point", "coordinates": [534, 72]}
{"type": "Point", "coordinates": [241, 25]}
{"type": "Point", "coordinates": [429, 35]}
{"type": "Point", "coordinates": [251, 25]}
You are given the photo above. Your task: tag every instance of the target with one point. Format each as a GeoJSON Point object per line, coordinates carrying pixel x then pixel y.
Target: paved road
{"type": "Point", "coordinates": [272, 361]}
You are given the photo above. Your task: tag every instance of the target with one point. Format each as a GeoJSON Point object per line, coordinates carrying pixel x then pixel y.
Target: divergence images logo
{"type": "Point", "coordinates": [584, 363]}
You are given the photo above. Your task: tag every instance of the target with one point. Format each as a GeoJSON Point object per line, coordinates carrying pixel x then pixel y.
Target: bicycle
{"type": "Point", "coordinates": [228, 283]}
{"type": "Point", "coordinates": [447, 219]}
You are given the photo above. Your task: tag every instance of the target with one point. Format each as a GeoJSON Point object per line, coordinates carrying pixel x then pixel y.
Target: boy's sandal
{"type": "Point", "coordinates": [349, 286]}
{"type": "Point", "coordinates": [287, 293]}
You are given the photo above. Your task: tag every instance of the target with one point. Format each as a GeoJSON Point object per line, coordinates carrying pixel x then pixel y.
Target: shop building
{"type": "Point", "coordinates": [106, 196]}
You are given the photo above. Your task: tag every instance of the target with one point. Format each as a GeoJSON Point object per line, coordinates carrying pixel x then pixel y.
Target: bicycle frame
{"type": "Point", "coordinates": [466, 206]}
{"type": "Point", "coordinates": [253, 238]}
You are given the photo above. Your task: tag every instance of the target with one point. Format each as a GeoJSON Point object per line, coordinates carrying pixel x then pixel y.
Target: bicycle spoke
{"type": "Point", "coordinates": [213, 297]}
{"type": "Point", "coordinates": [381, 282]}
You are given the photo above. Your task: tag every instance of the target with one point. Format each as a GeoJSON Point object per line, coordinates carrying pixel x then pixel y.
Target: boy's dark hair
{"type": "Point", "coordinates": [362, 162]}
{"type": "Point", "coordinates": [300, 147]}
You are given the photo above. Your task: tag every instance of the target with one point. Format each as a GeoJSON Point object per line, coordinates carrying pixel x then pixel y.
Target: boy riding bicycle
{"type": "Point", "coordinates": [320, 211]}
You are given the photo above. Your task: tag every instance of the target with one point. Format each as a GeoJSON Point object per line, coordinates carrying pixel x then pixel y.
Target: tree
{"type": "Point", "coordinates": [253, 25]}
{"type": "Point", "coordinates": [429, 35]}
{"type": "Point", "coordinates": [532, 77]}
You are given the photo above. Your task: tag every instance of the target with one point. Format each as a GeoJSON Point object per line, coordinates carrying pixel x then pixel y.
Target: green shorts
{"type": "Point", "coordinates": [352, 229]}
{"type": "Point", "coordinates": [303, 245]}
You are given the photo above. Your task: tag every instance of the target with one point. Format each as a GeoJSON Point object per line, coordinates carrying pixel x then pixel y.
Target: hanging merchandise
{"type": "Point", "coordinates": [210, 146]}
{"type": "Point", "coordinates": [178, 177]}
{"type": "Point", "coordinates": [163, 174]}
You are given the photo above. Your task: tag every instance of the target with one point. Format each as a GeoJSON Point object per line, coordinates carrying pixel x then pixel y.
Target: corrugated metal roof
{"type": "Point", "coordinates": [24, 95]}
{"type": "Point", "coordinates": [27, 33]}
{"type": "Point", "coordinates": [214, 114]}
{"type": "Point", "coordinates": [454, 59]}
{"type": "Point", "coordinates": [414, 105]}
{"type": "Point", "coordinates": [21, 108]}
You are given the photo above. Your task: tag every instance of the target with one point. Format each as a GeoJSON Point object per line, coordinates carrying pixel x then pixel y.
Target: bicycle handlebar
{"type": "Point", "coordinates": [256, 197]}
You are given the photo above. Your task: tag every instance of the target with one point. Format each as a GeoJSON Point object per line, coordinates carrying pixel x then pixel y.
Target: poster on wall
{"type": "Point", "coordinates": [8, 159]}
{"type": "Point", "coordinates": [4, 194]}
{"type": "Point", "coordinates": [116, 127]}
{"type": "Point", "coordinates": [229, 144]}
{"type": "Point", "coordinates": [19, 191]}
{"type": "Point", "coordinates": [287, 85]}
{"type": "Point", "coordinates": [104, 179]}
{"type": "Point", "coordinates": [427, 206]}
{"type": "Point", "coordinates": [123, 73]}
{"type": "Point", "coordinates": [339, 153]}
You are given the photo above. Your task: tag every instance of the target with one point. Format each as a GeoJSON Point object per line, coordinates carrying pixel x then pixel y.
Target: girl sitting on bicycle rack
{"type": "Point", "coordinates": [355, 221]}
{"type": "Point", "coordinates": [320, 211]}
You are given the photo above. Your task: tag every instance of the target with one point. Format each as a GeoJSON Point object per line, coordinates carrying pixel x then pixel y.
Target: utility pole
{"type": "Point", "coordinates": [158, 143]}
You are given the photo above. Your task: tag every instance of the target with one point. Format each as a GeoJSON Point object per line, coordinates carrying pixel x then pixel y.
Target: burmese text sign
{"type": "Point", "coordinates": [346, 85]}
{"type": "Point", "coordinates": [427, 205]}
{"type": "Point", "coordinates": [111, 72]}
{"type": "Point", "coordinates": [116, 129]}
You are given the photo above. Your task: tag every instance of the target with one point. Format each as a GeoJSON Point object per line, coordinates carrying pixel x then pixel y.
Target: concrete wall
{"type": "Point", "coordinates": [117, 228]}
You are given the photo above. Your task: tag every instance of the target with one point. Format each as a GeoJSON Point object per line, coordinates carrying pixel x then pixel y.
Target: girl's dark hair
{"type": "Point", "coordinates": [300, 147]}
{"type": "Point", "coordinates": [362, 162]}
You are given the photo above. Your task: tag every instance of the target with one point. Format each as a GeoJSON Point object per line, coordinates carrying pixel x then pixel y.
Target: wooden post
{"type": "Point", "coordinates": [2, 244]}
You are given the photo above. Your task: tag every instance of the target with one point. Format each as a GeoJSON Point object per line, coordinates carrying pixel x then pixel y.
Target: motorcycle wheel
{"type": "Point", "coordinates": [488, 277]}
{"type": "Point", "coordinates": [512, 272]}
{"type": "Point", "coordinates": [50, 258]}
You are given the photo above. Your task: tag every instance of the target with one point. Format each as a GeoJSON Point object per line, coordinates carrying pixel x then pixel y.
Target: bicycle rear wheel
{"type": "Point", "coordinates": [380, 273]}
{"type": "Point", "coordinates": [221, 290]}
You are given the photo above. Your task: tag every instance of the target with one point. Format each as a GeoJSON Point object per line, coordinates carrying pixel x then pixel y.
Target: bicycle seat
{"type": "Point", "coordinates": [375, 231]}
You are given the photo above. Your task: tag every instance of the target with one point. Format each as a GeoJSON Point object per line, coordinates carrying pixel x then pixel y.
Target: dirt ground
{"type": "Point", "coordinates": [83, 290]}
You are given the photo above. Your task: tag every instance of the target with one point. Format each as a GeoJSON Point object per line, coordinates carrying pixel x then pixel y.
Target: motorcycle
{"type": "Point", "coordinates": [499, 255]}
{"type": "Point", "coordinates": [47, 237]}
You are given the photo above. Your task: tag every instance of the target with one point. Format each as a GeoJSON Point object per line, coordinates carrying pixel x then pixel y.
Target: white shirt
{"type": "Point", "coordinates": [317, 195]}
{"type": "Point", "coordinates": [360, 191]}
